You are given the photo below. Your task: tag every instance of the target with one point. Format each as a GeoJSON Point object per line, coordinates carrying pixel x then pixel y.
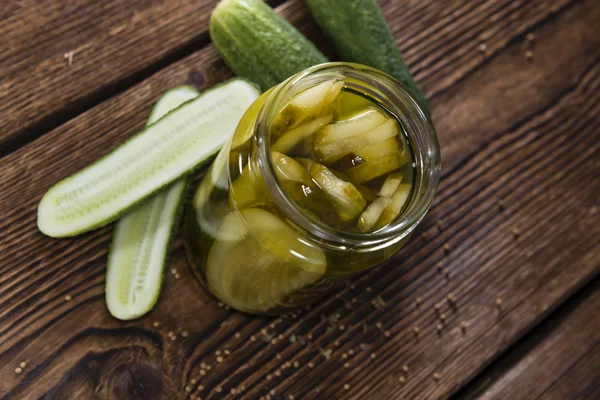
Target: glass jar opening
{"type": "Point", "coordinates": [393, 97]}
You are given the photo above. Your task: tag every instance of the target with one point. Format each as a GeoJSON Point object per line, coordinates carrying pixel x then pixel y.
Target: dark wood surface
{"type": "Point", "coordinates": [521, 153]}
{"type": "Point", "coordinates": [567, 344]}
{"type": "Point", "coordinates": [113, 43]}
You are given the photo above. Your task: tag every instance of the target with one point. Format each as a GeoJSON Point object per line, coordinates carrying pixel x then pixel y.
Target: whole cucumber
{"type": "Point", "coordinates": [360, 34]}
{"type": "Point", "coordinates": [258, 44]}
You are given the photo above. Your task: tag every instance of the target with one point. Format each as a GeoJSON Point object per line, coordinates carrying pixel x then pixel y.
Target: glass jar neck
{"type": "Point", "coordinates": [389, 94]}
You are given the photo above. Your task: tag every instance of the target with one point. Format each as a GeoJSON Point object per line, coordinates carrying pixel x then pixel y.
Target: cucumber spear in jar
{"type": "Point", "coordinates": [354, 157]}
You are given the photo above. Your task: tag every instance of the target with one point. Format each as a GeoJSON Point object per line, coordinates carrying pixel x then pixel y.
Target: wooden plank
{"type": "Point", "coordinates": [113, 44]}
{"type": "Point", "coordinates": [559, 360]}
{"type": "Point", "coordinates": [580, 382]}
{"type": "Point", "coordinates": [540, 157]}
{"type": "Point", "coordinates": [117, 43]}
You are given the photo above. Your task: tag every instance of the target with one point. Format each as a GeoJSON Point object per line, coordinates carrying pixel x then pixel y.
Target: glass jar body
{"type": "Point", "coordinates": [267, 257]}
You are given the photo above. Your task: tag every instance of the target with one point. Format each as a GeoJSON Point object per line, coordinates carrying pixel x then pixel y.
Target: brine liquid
{"type": "Point", "coordinates": [342, 158]}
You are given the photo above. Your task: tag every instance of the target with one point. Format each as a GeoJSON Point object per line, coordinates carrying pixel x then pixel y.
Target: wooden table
{"type": "Point", "coordinates": [514, 88]}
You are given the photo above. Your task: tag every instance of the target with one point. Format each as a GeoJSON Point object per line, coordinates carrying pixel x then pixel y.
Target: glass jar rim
{"type": "Point", "coordinates": [393, 96]}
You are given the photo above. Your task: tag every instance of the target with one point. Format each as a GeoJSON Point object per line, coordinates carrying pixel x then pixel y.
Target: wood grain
{"type": "Point", "coordinates": [532, 143]}
{"type": "Point", "coordinates": [114, 43]}
{"type": "Point", "coordinates": [562, 357]}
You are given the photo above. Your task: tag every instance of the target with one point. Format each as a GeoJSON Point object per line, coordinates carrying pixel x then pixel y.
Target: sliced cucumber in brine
{"type": "Point", "coordinates": [392, 210]}
{"type": "Point", "coordinates": [256, 260]}
{"type": "Point", "coordinates": [297, 183]}
{"type": "Point", "coordinates": [378, 150]}
{"type": "Point", "coordinates": [331, 151]}
{"type": "Point", "coordinates": [345, 197]}
{"type": "Point", "coordinates": [357, 124]}
{"type": "Point", "coordinates": [390, 185]}
{"type": "Point", "coordinates": [366, 192]}
{"type": "Point", "coordinates": [245, 190]}
{"type": "Point", "coordinates": [163, 152]}
{"type": "Point", "coordinates": [246, 126]}
{"type": "Point", "coordinates": [289, 169]}
{"type": "Point", "coordinates": [142, 238]}
{"type": "Point", "coordinates": [372, 213]}
{"type": "Point", "coordinates": [381, 166]}
{"type": "Point", "coordinates": [350, 103]}
{"type": "Point", "coordinates": [289, 140]}
{"type": "Point", "coordinates": [311, 103]}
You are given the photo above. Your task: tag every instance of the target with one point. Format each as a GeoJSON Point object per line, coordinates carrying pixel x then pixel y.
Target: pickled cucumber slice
{"type": "Point", "coordinates": [257, 260]}
{"type": "Point", "coordinates": [366, 192]}
{"type": "Point", "coordinates": [330, 152]}
{"type": "Point", "coordinates": [371, 170]}
{"type": "Point", "coordinates": [312, 200]}
{"type": "Point", "coordinates": [289, 140]}
{"type": "Point", "coordinates": [310, 103]}
{"type": "Point", "coordinates": [297, 183]}
{"type": "Point", "coordinates": [372, 213]}
{"type": "Point", "coordinates": [287, 168]}
{"type": "Point", "coordinates": [357, 124]}
{"type": "Point", "coordinates": [142, 238]}
{"type": "Point", "coordinates": [378, 150]}
{"type": "Point", "coordinates": [173, 146]}
{"type": "Point", "coordinates": [245, 128]}
{"type": "Point", "coordinates": [346, 199]}
{"type": "Point", "coordinates": [396, 204]}
{"type": "Point", "coordinates": [245, 190]}
{"type": "Point", "coordinates": [389, 187]}
{"type": "Point", "coordinates": [350, 103]}
{"type": "Point", "coordinates": [209, 214]}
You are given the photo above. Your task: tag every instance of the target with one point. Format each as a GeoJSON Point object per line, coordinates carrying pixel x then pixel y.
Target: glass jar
{"type": "Point", "coordinates": [269, 258]}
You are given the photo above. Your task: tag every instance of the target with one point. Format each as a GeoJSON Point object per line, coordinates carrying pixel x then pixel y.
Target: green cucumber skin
{"type": "Point", "coordinates": [258, 44]}
{"type": "Point", "coordinates": [125, 209]}
{"type": "Point", "coordinates": [360, 34]}
{"type": "Point", "coordinates": [183, 90]}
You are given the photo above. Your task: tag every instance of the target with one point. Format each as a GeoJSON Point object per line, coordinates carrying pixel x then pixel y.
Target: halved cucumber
{"type": "Point", "coordinates": [170, 100]}
{"type": "Point", "coordinates": [161, 153]}
{"type": "Point", "coordinates": [142, 238]}
{"type": "Point", "coordinates": [256, 260]}
{"type": "Point", "coordinates": [330, 152]}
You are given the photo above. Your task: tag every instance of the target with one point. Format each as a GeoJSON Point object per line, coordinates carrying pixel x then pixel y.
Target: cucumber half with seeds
{"type": "Point", "coordinates": [142, 238]}
{"type": "Point", "coordinates": [164, 151]}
